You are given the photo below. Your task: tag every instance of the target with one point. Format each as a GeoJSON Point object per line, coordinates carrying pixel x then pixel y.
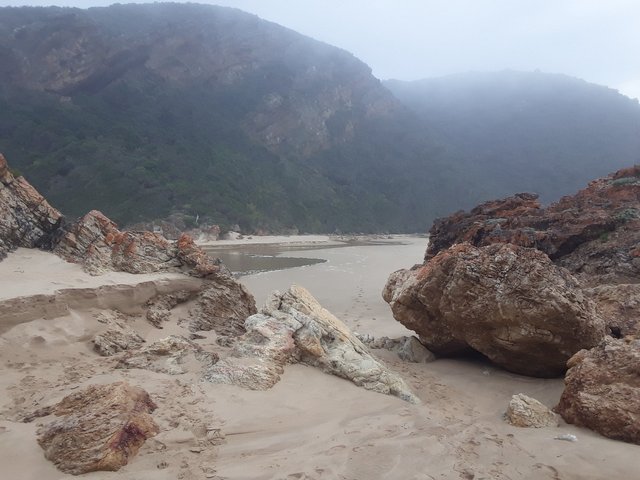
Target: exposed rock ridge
{"type": "Point", "coordinates": [594, 233]}
{"type": "Point", "coordinates": [293, 327]}
{"type": "Point", "coordinates": [26, 218]}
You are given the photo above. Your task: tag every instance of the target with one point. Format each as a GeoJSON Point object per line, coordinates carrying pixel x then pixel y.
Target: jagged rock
{"type": "Point", "coordinates": [117, 338]}
{"type": "Point", "coordinates": [26, 219]}
{"type": "Point", "coordinates": [222, 306]}
{"type": "Point", "coordinates": [594, 233]}
{"type": "Point", "coordinates": [507, 302]}
{"type": "Point", "coordinates": [171, 355]}
{"type": "Point", "coordinates": [159, 308]}
{"type": "Point", "coordinates": [602, 389]}
{"type": "Point", "coordinates": [619, 305]}
{"type": "Point", "coordinates": [101, 428]}
{"type": "Point", "coordinates": [408, 349]}
{"type": "Point", "coordinates": [294, 327]}
{"type": "Point", "coordinates": [524, 411]}
{"type": "Point", "coordinates": [96, 243]}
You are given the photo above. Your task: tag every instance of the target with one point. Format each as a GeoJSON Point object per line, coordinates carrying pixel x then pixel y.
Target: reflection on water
{"type": "Point", "coordinates": [241, 263]}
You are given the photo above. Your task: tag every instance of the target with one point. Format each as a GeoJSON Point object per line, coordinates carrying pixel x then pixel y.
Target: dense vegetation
{"type": "Point", "coordinates": [537, 132]}
{"type": "Point", "coordinates": [145, 111]}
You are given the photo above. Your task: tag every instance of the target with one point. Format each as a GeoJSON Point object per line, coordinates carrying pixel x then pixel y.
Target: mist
{"type": "Point", "coordinates": [415, 39]}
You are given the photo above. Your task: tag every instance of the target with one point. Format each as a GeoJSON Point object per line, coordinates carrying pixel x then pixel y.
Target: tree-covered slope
{"type": "Point", "coordinates": [145, 110]}
{"type": "Point", "coordinates": [142, 111]}
{"type": "Point", "coordinates": [519, 131]}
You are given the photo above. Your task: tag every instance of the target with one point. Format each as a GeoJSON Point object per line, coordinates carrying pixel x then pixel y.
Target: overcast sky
{"type": "Point", "coordinates": [597, 40]}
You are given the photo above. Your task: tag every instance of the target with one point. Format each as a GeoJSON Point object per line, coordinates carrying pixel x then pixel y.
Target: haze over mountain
{"type": "Point", "coordinates": [520, 131]}
{"type": "Point", "coordinates": [147, 110]}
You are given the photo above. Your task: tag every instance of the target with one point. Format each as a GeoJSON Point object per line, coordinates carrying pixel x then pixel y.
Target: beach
{"type": "Point", "coordinates": [310, 425]}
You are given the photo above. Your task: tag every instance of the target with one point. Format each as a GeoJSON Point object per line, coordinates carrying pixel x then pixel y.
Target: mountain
{"type": "Point", "coordinates": [146, 110]}
{"type": "Point", "coordinates": [143, 111]}
{"type": "Point", "coordinates": [528, 131]}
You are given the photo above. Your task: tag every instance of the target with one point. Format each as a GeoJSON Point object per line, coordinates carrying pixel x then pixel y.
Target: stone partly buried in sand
{"type": "Point", "coordinates": [173, 355]}
{"type": "Point", "coordinates": [524, 411]}
{"type": "Point", "coordinates": [507, 302]}
{"type": "Point", "coordinates": [602, 389]}
{"type": "Point", "coordinates": [100, 428]}
{"type": "Point", "coordinates": [293, 327]}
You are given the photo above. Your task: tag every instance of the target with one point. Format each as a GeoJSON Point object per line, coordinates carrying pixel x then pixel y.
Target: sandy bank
{"type": "Point", "coordinates": [310, 425]}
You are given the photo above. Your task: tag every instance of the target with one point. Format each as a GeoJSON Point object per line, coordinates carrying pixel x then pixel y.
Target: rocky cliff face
{"type": "Point", "coordinates": [26, 219]}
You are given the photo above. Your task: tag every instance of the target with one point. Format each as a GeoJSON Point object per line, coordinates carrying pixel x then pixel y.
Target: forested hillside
{"type": "Point", "coordinates": [142, 111]}
{"type": "Point", "coordinates": [519, 131]}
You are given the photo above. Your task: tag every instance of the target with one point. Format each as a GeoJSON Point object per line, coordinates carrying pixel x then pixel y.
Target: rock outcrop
{"type": "Point", "coordinates": [117, 338]}
{"type": "Point", "coordinates": [594, 233]}
{"type": "Point", "coordinates": [510, 303]}
{"type": "Point", "coordinates": [293, 327]}
{"type": "Point", "coordinates": [524, 411]}
{"type": "Point", "coordinates": [222, 306]}
{"type": "Point", "coordinates": [587, 249]}
{"type": "Point", "coordinates": [602, 389]}
{"type": "Point", "coordinates": [96, 243]}
{"type": "Point", "coordinates": [619, 305]}
{"type": "Point", "coordinates": [26, 219]}
{"type": "Point", "coordinates": [101, 428]}
{"type": "Point", "coordinates": [169, 355]}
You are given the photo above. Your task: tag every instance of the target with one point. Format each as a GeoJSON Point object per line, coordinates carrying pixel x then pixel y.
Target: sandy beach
{"type": "Point", "coordinates": [310, 425]}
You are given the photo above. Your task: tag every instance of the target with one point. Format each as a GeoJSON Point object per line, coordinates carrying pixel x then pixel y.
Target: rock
{"type": "Point", "coordinates": [117, 338]}
{"type": "Point", "coordinates": [594, 233]}
{"type": "Point", "coordinates": [619, 305]}
{"type": "Point", "coordinates": [26, 219]}
{"type": "Point", "coordinates": [172, 355]}
{"type": "Point", "coordinates": [96, 243]}
{"type": "Point", "coordinates": [524, 411]}
{"type": "Point", "coordinates": [413, 351]}
{"type": "Point", "coordinates": [101, 428]}
{"type": "Point", "coordinates": [159, 308]}
{"type": "Point", "coordinates": [222, 306]}
{"type": "Point", "coordinates": [294, 327]}
{"type": "Point", "coordinates": [602, 389]}
{"type": "Point", "coordinates": [408, 349]}
{"type": "Point", "coordinates": [510, 303]}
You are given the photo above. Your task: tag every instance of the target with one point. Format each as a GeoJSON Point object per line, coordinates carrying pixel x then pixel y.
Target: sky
{"type": "Point", "coordinates": [596, 40]}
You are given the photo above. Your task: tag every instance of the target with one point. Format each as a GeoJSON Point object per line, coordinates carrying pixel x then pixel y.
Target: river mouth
{"type": "Point", "coordinates": [250, 259]}
{"type": "Point", "coordinates": [243, 263]}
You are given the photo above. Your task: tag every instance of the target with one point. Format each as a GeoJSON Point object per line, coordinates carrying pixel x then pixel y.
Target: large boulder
{"type": "Point", "coordinates": [99, 428]}
{"type": "Point", "coordinates": [26, 219]}
{"type": "Point", "coordinates": [293, 327]}
{"type": "Point", "coordinates": [510, 303]}
{"type": "Point", "coordinates": [602, 389]}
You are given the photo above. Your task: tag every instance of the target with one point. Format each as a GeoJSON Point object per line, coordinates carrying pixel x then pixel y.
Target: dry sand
{"type": "Point", "coordinates": [310, 425]}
